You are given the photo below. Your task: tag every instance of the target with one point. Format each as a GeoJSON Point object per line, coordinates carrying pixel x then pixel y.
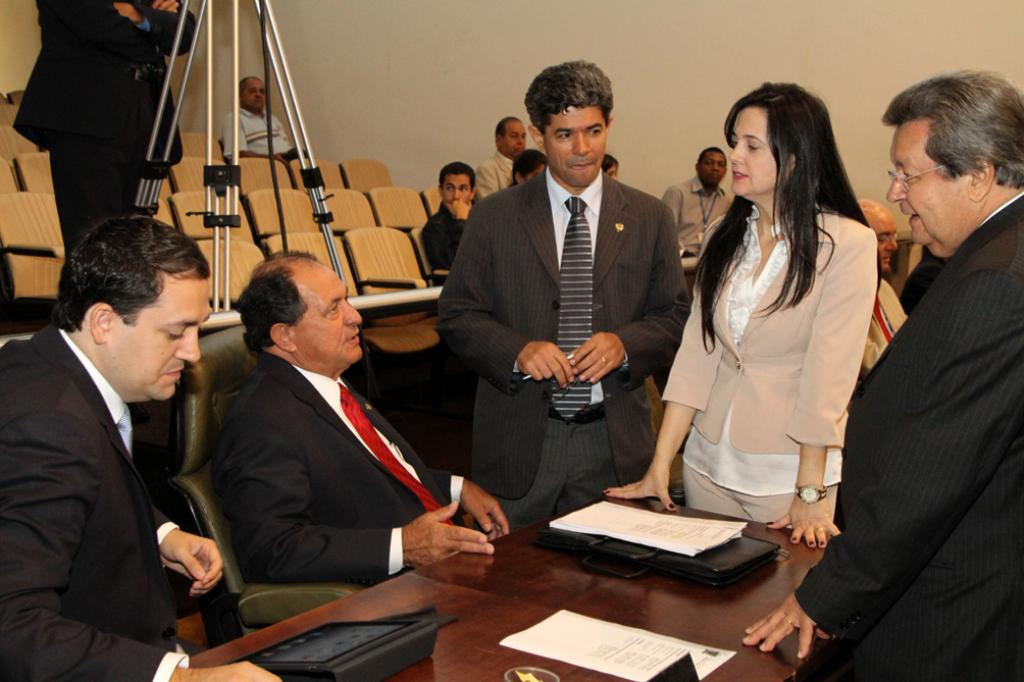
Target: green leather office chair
{"type": "Point", "coordinates": [206, 392]}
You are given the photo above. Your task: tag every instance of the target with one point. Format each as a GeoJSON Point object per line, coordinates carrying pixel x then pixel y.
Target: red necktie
{"type": "Point", "coordinates": [379, 448]}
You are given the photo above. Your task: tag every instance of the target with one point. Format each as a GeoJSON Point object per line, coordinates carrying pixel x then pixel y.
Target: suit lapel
{"type": "Point", "coordinates": [53, 347]}
{"type": "Point", "coordinates": [538, 226]}
{"type": "Point", "coordinates": [306, 393]}
{"type": "Point", "coordinates": [612, 228]}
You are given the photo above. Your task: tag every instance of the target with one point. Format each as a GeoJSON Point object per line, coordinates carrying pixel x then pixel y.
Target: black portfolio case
{"type": "Point", "coordinates": [721, 565]}
{"type": "Point", "coordinates": [351, 651]}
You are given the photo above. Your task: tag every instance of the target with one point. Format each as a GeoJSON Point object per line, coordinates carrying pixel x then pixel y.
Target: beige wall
{"type": "Point", "coordinates": [417, 84]}
{"type": "Point", "coordinates": [19, 43]}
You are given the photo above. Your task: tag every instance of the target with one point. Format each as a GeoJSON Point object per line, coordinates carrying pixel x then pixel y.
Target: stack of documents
{"type": "Point", "coordinates": [611, 648]}
{"type": "Point", "coordinates": [652, 529]}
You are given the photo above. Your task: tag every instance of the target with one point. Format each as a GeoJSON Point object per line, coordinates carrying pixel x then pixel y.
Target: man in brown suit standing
{"type": "Point", "coordinates": [567, 291]}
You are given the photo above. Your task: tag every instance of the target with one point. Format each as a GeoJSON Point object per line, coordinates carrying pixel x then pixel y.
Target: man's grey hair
{"type": "Point", "coordinates": [569, 85]}
{"type": "Point", "coordinates": [975, 117]}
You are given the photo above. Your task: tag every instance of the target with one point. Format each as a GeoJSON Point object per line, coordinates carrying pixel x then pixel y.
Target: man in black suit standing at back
{"type": "Point", "coordinates": [91, 100]}
{"type": "Point", "coordinates": [566, 292]}
{"type": "Point", "coordinates": [928, 577]}
{"type": "Point", "coordinates": [83, 593]}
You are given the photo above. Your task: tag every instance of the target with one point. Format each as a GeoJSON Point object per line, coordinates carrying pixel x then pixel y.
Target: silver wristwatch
{"type": "Point", "coordinates": [811, 493]}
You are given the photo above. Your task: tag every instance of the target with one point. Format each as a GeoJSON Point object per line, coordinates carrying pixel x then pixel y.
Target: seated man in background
{"type": "Point", "coordinates": [315, 482]}
{"type": "Point", "coordinates": [529, 164]}
{"type": "Point", "coordinates": [83, 593]}
{"type": "Point", "coordinates": [443, 230]}
{"type": "Point", "coordinates": [496, 172]}
{"type": "Point", "coordinates": [699, 201]}
{"type": "Point", "coordinates": [252, 125]}
{"type": "Point", "coordinates": [887, 316]}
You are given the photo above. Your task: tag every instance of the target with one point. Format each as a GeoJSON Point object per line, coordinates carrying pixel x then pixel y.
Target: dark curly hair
{"type": "Point", "coordinates": [572, 84]}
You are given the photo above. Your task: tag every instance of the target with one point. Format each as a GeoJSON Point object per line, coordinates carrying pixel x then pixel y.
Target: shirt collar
{"type": "Point", "coordinates": [591, 195]}
{"type": "Point", "coordinates": [114, 402]}
{"type": "Point", "coordinates": [697, 188]}
{"type": "Point", "coordinates": [324, 385]}
{"type": "Point", "coordinates": [993, 213]}
{"type": "Point", "coordinates": [752, 224]}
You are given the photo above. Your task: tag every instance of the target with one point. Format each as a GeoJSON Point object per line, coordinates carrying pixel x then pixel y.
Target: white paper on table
{"type": "Point", "coordinates": [665, 531]}
{"type": "Point", "coordinates": [626, 652]}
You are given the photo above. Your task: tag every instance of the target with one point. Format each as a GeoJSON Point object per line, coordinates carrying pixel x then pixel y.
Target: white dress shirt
{"type": "Point", "coordinates": [328, 390]}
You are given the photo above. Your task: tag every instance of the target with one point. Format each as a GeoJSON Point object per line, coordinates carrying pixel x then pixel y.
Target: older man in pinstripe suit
{"type": "Point", "coordinates": [928, 577]}
{"type": "Point", "coordinates": [566, 292]}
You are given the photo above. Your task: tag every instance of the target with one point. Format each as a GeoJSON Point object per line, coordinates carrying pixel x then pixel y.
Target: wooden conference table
{"type": "Point", "coordinates": [521, 585]}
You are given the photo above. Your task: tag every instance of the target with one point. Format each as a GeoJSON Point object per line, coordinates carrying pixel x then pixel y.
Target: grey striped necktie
{"type": "Point", "coordinates": [575, 310]}
{"type": "Point", "coordinates": [124, 427]}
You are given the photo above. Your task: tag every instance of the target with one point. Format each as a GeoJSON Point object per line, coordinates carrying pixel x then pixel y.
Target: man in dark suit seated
{"type": "Point", "coordinates": [83, 593]}
{"type": "Point", "coordinates": [566, 292]}
{"type": "Point", "coordinates": [928, 577]}
{"type": "Point", "coordinates": [443, 231]}
{"type": "Point", "coordinates": [315, 482]}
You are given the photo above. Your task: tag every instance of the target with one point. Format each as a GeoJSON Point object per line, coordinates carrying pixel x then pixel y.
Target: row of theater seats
{"type": "Point", "coordinates": [28, 169]}
{"type": "Point", "coordinates": [373, 259]}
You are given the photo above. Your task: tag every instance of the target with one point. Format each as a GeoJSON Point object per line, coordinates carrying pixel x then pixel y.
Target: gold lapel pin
{"type": "Point", "coordinates": [619, 227]}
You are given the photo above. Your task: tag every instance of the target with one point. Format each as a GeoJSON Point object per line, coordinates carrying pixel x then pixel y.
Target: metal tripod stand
{"type": "Point", "coordinates": [222, 182]}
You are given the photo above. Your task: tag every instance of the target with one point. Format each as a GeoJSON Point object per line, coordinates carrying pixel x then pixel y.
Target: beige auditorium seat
{"type": "Point", "coordinates": [256, 174]}
{"type": "Point", "coordinates": [350, 209]}
{"type": "Point", "coordinates": [295, 205]}
{"type": "Point", "coordinates": [183, 203]}
{"type": "Point", "coordinates": [438, 275]}
{"type": "Point", "coordinates": [8, 181]}
{"type": "Point", "coordinates": [329, 170]}
{"type": "Point", "coordinates": [365, 174]}
{"type": "Point", "coordinates": [313, 244]}
{"type": "Point", "coordinates": [398, 207]}
{"type": "Point", "coordinates": [384, 259]}
{"type": "Point", "coordinates": [32, 248]}
{"type": "Point", "coordinates": [431, 199]}
{"type": "Point", "coordinates": [8, 112]}
{"type": "Point", "coordinates": [13, 143]}
{"type": "Point", "coordinates": [163, 212]}
{"type": "Point", "coordinates": [187, 174]}
{"type": "Point", "coordinates": [244, 259]}
{"type": "Point", "coordinates": [34, 172]}
{"type": "Point", "coordinates": [194, 144]}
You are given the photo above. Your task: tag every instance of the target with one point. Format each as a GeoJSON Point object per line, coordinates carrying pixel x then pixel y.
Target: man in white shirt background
{"type": "Point", "coordinates": [252, 125]}
{"type": "Point", "coordinates": [496, 172]}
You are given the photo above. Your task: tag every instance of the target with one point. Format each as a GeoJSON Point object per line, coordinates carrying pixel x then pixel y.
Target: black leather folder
{"type": "Point", "coordinates": [721, 565]}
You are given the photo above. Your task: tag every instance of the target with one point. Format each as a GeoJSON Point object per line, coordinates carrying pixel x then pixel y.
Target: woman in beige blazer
{"type": "Point", "coordinates": [773, 344]}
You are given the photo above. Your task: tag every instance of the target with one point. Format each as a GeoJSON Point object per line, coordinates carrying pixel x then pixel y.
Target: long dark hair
{"type": "Point", "coordinates": [811, 179]}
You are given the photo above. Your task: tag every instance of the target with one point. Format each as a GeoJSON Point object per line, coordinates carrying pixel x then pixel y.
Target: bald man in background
{"type": "Point", "coordinates": [887, 316]}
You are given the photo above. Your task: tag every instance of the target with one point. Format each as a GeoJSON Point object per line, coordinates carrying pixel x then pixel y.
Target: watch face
{"type": "Point", "coordinates": [809, 494]}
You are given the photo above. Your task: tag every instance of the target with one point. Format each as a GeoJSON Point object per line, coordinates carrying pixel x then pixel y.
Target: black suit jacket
{"type": "Point", "coordinates": [502, 292]}
{"type": "Point", "coordinates": [929, 573]}
{"type": "Point", "coordinates": [306, 500]}
{"type": "Point", "coordinates": [83, 593]}
{"type": "Point", "coordinates": [81, 82]}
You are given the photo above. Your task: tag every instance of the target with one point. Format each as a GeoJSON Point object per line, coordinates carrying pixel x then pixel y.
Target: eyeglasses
{"type": "Point", "coordinates": [903, 180]}
{"type": "Point", "coordinates": [886, 237]}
